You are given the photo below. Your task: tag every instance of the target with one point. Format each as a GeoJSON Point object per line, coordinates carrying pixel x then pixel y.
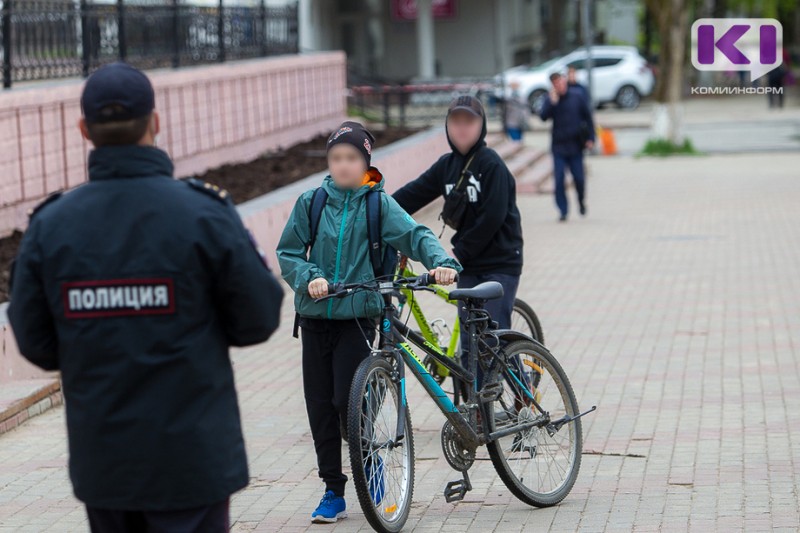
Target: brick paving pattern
{"type": "Point", "coordinates": [675, 307]}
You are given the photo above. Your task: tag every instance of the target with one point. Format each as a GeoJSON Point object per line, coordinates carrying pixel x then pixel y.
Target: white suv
{"type": "Point", "coordinates": [619, 75]}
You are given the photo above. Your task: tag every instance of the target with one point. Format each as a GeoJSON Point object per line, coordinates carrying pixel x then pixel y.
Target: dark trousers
{"type": "Point", "coordinates": [207, 519]}
{"type": "Point", "coordinates": [575, 164]}
{"type": "Point", "coordinates": [500, 309]}
{"type": "Point", "coordinates": [332, 351]}
{"type": "Point", "coordinates": [776, 99]}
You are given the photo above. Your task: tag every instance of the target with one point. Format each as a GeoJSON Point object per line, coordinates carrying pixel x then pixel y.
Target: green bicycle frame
{"type": "Point", "coordinates": [422, 322]}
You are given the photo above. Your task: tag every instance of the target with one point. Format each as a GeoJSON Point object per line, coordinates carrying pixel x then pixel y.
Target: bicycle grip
{"type": "Point", "coordinates": [333, 288]}
{"type": "Point", "coordinates": [426, 279]}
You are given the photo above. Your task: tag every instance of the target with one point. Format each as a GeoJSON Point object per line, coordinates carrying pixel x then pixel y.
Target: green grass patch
{"type": "Point", "coordinates": [665, 147]}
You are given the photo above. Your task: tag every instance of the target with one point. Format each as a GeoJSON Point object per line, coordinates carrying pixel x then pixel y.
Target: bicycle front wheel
{"type": "Point", "coordinates": [383, 466]}
{"type": "Point", "coordinates": [538, 465]}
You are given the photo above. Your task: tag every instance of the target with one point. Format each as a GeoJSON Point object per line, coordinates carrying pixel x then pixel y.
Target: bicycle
{"type": "Point", "coordinates": [438, 333]}
{"type": "Point", "coordinates": [530, 424]}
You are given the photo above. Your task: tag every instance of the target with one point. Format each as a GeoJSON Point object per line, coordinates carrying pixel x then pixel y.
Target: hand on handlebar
{"type": "Point", "coordinates": [444, 275]}
{"type": "Point", "coordinates": [318, 288]}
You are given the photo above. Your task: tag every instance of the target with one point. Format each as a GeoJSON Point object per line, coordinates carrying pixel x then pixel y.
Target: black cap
{"type": "Point", "coordinates": [355, 134]}
{"type": "Point", "coordinates": [117, 92]}
{"type": "Point", "coordinates": [467, 103]}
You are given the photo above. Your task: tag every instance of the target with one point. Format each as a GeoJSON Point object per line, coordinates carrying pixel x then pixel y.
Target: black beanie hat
{"type": "Point", "coordinates": [354, 134]}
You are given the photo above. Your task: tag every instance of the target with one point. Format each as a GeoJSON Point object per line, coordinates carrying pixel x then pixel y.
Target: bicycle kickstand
{"type": "Point", "coordinates": [456, 490]}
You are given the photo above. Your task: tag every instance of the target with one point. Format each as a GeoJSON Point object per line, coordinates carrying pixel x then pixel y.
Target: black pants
{"type": "Point", "coordinates": [332, 351]}
{"type": "Point", "coordinates": [500, 309]}
{"type": "Point", "coordinates": [207, 519]}
{"type": "Point", "coordinates": [575, 164]}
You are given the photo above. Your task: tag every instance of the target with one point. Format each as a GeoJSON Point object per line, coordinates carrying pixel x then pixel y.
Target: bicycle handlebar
{"type": "Point", "coordinates": [340, 290]}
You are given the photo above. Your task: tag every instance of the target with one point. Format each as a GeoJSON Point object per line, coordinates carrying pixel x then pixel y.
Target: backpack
{"type": "Point", "coordinates": [383, 265]}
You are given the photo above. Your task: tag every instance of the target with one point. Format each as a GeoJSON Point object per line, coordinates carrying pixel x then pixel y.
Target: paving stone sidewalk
{"type": "Point", "coordinates": [675, 307]}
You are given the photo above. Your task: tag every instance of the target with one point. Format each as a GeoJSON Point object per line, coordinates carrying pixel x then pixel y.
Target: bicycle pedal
{"type": "Point", "coordinates": [456, 490]}
{"type": "Point", "coordinates": [491, 392]}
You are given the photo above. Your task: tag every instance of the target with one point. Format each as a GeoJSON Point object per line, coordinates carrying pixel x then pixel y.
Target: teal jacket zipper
{"type": "Point", "coordinates": [339, 250]}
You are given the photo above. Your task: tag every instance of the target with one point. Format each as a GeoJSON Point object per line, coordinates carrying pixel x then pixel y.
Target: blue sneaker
{"type": "Point", "coordinates": [375, 480]}
{"type": "Point", "coordinates": [330, 509]}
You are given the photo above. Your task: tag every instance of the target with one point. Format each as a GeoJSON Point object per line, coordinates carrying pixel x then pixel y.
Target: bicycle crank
{"type": "Point", "coordinates": [458, 455]}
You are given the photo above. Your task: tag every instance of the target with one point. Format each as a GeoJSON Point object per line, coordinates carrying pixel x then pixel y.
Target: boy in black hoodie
{"type": "Point", "coordinates": [488, 242]}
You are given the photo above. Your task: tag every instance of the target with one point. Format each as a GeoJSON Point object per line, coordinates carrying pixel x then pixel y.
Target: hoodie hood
{"type": "Point", "coordinates": [480, 143]}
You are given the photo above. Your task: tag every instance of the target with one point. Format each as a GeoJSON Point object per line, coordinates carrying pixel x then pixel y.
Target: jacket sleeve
{"type": "Point", "coordinates": [292, 256]}
{"type": "Point", "coordinates": [416, 194]}
{"type": "Point", "coordinates": [492, 212]}
{"type": "Point", "coordinates": [414, 240]}
{"type": "Point", "coordinates": [248, 295]}
{"type": "Point", "coordinates": [28, 311]}
{"type": "Point", "coordinates": [586, 113]}
{"type": "Point", "coordinates": [547, 109]}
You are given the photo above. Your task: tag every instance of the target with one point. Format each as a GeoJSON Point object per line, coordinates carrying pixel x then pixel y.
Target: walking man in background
{"type": "Point", "coordinates": [134, 286]}
{"type": "Point", "coordinates": [574, 85]}
{"type": "Point", "coordinates": [573, 130]}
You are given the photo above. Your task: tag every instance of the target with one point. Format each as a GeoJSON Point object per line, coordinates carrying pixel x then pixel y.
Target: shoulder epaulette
{"type": "Point", "coordinates": [50, 199]}
{"type": "Point", "coordinates": [211, 190]}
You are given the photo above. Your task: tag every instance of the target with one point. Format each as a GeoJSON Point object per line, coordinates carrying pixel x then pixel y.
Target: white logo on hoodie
{"type": "Point", "coordinates": [472, 189]}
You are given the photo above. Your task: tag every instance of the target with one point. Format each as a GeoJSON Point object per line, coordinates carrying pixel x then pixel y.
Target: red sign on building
{"type": "Point", "coordinates": [407, 9]}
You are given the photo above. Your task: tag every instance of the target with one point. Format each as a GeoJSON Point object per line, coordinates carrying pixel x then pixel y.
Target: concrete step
{"type": "Point", "coordinates": [507, 149]}
{"type": "Point", "coordinates": [525, 158]}
{"type": "Point", "coordinates": [538, 178]}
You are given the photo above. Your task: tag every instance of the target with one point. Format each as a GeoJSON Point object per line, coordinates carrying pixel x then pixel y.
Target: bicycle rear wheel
{"type": "Point", "coordinates": [538, 467]}
{"type": "Point", "coordinates": [383, 470]}
{"type": "Point", "coordinates": [524, 320]}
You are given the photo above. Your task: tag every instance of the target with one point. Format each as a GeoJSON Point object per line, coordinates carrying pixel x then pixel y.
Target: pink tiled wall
{"type": "Point", "coordinates": [210, 116]}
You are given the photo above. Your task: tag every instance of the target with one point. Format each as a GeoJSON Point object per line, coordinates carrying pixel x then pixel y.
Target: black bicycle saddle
{"type": "Point", "coordinates": [489, 290]}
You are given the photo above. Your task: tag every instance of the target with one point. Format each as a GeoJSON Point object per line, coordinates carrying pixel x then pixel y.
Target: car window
{"type": "Point", "coordinates": [606, 61]}
{"type": "Point", "coordinates": [578, 64]}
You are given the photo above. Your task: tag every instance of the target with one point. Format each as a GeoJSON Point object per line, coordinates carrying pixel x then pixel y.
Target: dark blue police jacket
{"type": "Point", "coordinates": [134, 286]}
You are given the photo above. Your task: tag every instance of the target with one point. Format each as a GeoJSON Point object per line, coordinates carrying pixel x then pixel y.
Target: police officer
{"type": "Point", "coordinates": [134, 286]}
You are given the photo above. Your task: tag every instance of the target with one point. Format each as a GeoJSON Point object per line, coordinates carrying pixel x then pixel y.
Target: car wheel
{"type": "Point", "coordinates": [536, 101]}
{"type": "Point", "coordinates": [628, 97]}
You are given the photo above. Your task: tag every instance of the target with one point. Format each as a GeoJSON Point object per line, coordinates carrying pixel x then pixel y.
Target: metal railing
{"type": "Point", "coordinates": [46, 39]}
{"type": "Point", "coordinates": [418, 104]}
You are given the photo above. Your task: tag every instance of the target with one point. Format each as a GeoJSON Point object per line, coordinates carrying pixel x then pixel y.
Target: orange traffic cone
{"type": "Point", "coordinates": [607, 141]}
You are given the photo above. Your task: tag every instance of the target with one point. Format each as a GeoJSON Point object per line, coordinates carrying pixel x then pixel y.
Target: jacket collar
{"type": "Point", "coordinates": [128, 161]}
{"type": "Point", "coordinates": [373, 180]}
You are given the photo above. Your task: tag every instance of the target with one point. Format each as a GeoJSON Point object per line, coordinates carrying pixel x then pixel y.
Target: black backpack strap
{"type": "Point", "coordinates": [374, 231]}
{"type": "Point", "coordinates": [318, 201]}
{"type": "Point", "coordinates": [461, 184]}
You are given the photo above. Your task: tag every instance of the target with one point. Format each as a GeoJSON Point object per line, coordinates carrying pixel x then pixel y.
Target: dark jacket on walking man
{"type": "Point", "coordinates": [572, 132]}
{"type": "Point", "coordinates": [134, 286]}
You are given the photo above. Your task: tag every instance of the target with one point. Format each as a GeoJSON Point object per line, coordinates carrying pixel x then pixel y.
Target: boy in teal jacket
{"type": "Point", "coordinates": [333, 342]}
